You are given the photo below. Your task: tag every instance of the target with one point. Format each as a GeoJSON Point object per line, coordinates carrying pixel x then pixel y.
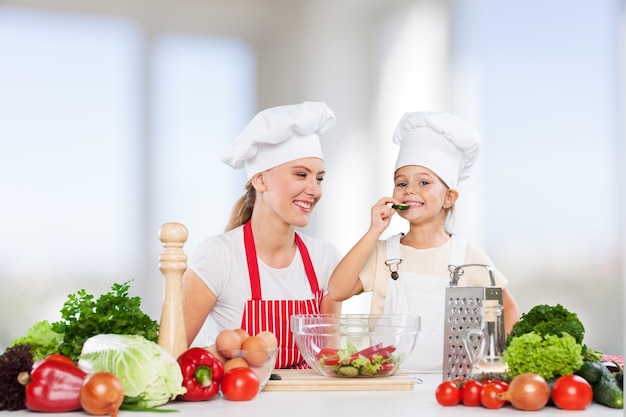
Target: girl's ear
{"type": "Point", "coordinates": [258, 182]}
{"type": "Point", "coordinates": [451, 197]}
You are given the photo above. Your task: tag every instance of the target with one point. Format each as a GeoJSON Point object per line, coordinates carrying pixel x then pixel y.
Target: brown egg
{"type": "Point", "coordinates": [243, 335]}
{"type": "Point", "coordinates": [213, 351]}
{"type": "Point", "coordinates": [235, 363]}
{"type": "Point", "coordinates": [254, 350]}
{"type": "Point", "coordinates": [269, 338]}
{"type": "Point", "coordinates": [227, 343]}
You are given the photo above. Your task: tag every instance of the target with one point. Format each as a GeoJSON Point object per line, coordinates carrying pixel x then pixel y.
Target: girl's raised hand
{"type": "Point", "coordinates": [381, 214]}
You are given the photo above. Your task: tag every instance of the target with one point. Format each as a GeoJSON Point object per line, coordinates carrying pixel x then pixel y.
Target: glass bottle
{"type": "Point", "coordinates": [486, 345]}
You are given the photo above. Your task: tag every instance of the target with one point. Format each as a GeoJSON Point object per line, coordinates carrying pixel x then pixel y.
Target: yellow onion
{"type": "Point", "coordinates": [101, 394]}
{"type": "Point", "coordinates": [528, 392]}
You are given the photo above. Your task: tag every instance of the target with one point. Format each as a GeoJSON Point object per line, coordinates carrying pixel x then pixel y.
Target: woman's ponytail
{"type": "Point", "coordinates": [242, 210]}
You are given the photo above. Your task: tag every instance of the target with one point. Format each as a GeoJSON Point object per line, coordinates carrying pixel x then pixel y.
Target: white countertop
{"type": "Point", "coordinates": [420, 402]}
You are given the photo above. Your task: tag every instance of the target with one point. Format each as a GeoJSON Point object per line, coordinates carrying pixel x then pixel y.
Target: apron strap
{"type": "Point", "coordinates": [253, 265]}
{"type": "Point", "coordinates": [457, 252]}
{"type": "Point", "coordinates": [393, 254]}
{"type": "Point", "coordinates": [308, 265]}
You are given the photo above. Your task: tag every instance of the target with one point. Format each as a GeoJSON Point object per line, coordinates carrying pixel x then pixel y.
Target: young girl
{"type": "Point", "coordinates": [437, 150]}
{"type": "Point", "coordinates": [260, 271]}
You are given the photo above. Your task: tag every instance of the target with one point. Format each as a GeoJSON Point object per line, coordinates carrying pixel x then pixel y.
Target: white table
{"type": "Point", "coordinates": [420, 402]}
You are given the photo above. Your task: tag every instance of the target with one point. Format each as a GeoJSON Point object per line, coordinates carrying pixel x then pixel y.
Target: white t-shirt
{"type": "Point", "coordinates": [431, 261]}
{"type": "Point", "coordinates": [220, 262]}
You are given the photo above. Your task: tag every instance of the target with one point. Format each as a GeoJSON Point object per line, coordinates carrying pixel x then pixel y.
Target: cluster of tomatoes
{"type": "Point", "coordinates": [471, 393]}
{"type": "Point", "coordinates": [568, 392]}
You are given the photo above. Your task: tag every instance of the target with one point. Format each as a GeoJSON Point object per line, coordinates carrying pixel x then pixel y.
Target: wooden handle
{"type": "Point", "coordinates": [172, 263]}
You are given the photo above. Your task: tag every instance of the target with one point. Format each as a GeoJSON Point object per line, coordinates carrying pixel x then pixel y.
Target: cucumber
{"type": "Point", "coordinates": [400, 206]}
{"type": "Point", "coordinates": [606, 389]}
{"type": "Point", "coordinates": [348, 370]}
{"type": "Point", "coordinates": [591, 371]}
{"type": "Point", "coordinates": [607, 392]}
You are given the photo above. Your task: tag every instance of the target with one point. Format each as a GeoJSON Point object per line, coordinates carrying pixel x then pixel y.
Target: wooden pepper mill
{"type": "Point", "coordinates": [172, 263]}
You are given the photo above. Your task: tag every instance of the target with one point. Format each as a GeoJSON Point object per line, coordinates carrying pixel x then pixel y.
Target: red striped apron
{"type": "Point", "coordinates": [274, 315]}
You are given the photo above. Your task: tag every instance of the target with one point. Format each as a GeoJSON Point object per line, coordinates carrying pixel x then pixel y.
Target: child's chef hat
{"type": "Point", "coordinates": [278, 135]}
{"type": "Point", "coordinates": [441, 142]}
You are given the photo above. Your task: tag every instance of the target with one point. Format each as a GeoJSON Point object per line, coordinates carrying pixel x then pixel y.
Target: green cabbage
{"type": "Point", "coordinates": [149, 374]}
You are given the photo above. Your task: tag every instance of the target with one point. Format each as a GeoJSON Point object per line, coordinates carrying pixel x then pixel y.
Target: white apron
{"type": "Point", "coordinates": [422, 295]}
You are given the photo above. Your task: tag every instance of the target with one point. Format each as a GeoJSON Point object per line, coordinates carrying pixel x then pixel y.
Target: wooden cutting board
{"type": "Point", "coordinates": [309, 380]}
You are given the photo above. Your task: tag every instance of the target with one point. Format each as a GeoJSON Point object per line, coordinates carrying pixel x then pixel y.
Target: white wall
{"type": "Point", "coordinates": [372, 60]}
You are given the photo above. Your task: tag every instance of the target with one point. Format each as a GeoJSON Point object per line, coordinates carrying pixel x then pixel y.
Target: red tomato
{"type": "Point", "coordinates": [470, 393]}
{"type": "Point", "coordinates": [572, 392]}
{"type": "Point", "coordinates": [448, 394]}
{"type": "Point", "coordinates": [503, 384]}
{"type": "Point", "coordinates": [240, 384]}
{"type": "Point", "coordinates": [489, 395]}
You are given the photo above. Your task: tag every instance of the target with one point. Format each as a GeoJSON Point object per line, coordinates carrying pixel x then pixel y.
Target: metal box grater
{"type": "Point", "coordinates": [462, 312]}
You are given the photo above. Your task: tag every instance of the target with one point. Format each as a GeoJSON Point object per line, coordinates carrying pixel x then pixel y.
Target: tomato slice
{"type": "Point", "coordinates": [329, 356]}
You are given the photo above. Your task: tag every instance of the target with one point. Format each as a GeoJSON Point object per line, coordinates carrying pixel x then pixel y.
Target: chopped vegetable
{"type": "Point", "coordinates": [15, 360]}
{"type": "Point", "coordinates": [202, 374]}
{"type": "Point", "coordinates": [400, 206]}
{"type": "Point", "coordinates": [150, 375]}
{"type": "Point", "coordinates": [374, 360]}
{"type": "Point", "coordinates": [53, 386]}
{"type": "Point", "coordinates": [550, 356]}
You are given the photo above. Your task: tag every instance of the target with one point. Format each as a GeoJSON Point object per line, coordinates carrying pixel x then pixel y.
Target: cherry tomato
{"type": "Point", "coordinates": [240, 384]}
{"type": "Point", "coordinates": [470, 393]}
{"type": "Point", "coordinates": [571, 392]}
{"type": "Point", "coordinates": [489, 395]}
{"type": "Point", "coordinates": [503, 384]}
{"type": "Point", "coordinates": [448, 394]}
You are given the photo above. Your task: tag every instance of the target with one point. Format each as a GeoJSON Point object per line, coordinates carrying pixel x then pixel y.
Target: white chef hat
{"type": "Point", "coordinates": [441, 142]}
{"type": "Point", "coordinates": [278, 135]}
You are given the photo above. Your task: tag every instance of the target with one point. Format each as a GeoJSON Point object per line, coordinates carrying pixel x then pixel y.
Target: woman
{"type": "Point", "coordinates": [408, 273]}
{"type": "Point", "coordinates": [259, 272]}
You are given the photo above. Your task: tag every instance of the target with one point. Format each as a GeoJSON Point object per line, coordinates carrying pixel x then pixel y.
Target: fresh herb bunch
{"type": "Point", "coordinates": [115, 312]}
{"type": "Point", "coordinates": [547, 320]}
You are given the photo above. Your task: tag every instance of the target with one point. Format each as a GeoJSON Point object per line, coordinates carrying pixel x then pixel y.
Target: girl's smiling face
{"type": "Point", "coordinates": [427, 196]}
{"type": "Point", "coordinates": [292, 190]}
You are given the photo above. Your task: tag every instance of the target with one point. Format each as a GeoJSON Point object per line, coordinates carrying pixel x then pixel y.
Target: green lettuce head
{"type": "Point", "coordinates": [149, 374]}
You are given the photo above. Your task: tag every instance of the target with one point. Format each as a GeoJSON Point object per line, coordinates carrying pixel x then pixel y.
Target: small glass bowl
{"type": "Point", "coordinates": [355, 345]}
{"type": "Point", "coordinates": [261, 361]}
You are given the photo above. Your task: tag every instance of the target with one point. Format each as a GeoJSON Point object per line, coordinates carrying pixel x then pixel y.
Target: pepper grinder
{"type": "Point", "coordinates": [172, 263]}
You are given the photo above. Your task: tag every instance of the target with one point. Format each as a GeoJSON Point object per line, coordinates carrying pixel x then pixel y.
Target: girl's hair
{"type": "Point", "coordinates": [242, 210]}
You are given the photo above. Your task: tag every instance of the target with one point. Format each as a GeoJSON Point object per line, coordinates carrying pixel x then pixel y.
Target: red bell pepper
{"type": "Point", "coordinates": [202, 374]}
{"type": "Point", "coordinates": [53, 386]}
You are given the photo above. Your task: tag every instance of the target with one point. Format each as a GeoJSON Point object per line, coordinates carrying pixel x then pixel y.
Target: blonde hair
{"type": "Point", "coordinates": [242, 209]}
